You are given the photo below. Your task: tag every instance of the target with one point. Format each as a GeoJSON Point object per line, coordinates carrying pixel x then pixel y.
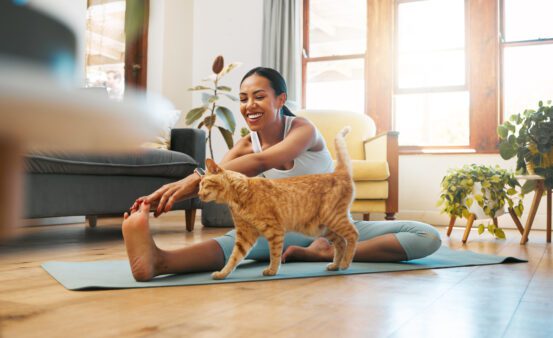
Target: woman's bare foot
{"type": "Point", "coordinates": [141, 249]}
{"type": "Point", "coordinates": [318, 251]}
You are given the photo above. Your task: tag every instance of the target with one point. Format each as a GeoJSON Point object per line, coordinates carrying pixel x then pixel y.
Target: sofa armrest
{"type": "Point", "coordinates": [190, 141]}
{"type": "Point", "coordinates": [376, 148]}
{"type": "Point", "coordinates": [384, 147]}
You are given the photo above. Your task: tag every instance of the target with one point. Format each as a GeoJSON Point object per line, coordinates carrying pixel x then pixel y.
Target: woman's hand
{"type": "Point", "coordinates": [163, 198]}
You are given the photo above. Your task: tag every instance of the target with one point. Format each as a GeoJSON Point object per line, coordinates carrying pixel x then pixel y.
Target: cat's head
{"type": "Point", "coordinates": [218, 184]}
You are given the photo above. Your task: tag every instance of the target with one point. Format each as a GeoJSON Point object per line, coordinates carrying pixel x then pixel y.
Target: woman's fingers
{"type": "Point", "coordinates": [168, 196]}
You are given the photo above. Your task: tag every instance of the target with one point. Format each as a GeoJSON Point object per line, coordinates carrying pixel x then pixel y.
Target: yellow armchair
{"type": "Point", "coordinates": [374, 159]}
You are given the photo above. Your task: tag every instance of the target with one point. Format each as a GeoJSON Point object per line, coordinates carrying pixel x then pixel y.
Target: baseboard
{"type": "Point", "coordinates": [436, 218]}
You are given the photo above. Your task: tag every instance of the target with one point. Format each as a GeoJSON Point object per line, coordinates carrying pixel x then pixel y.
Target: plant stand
{"type": "Point", "coordinates": [538, 193]}
{"type": "Point", "coordinates": [472, 217]}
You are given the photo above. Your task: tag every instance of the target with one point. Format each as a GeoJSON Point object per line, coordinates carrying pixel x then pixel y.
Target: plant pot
{"type": "Point", "coordinates": [475, 207]}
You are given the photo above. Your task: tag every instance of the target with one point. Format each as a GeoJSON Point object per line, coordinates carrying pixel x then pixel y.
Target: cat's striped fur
{"type": "Point", "coordinates": [316, 205]}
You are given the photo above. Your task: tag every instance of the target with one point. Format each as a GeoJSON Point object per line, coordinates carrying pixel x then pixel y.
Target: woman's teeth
{"type": "Point", "coordinates": [254, 116]}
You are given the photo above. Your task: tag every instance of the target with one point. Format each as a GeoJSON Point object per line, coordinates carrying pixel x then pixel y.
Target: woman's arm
{"type": "Point", "coordinates": [301, 137]}
{"type": "Point", "coordinates": [240, 158]}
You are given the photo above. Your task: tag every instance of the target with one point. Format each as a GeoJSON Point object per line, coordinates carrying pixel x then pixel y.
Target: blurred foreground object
{"type": "Point", "coordinates": [42, 111]}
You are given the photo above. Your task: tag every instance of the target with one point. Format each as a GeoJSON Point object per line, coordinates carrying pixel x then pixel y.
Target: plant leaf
{"type": "Point", "coordinates": [227, 117]}
{"type": "Point", "coordinates": [199, 88]}
{"type": "Point", "coordinates": [244, 131]}
{"type": "Point", "coordinates": [499, 233]}
{"type": "Point", "coordinates": [529, 186]}
{"type": "Point", "coordinates": [481, 229]}
{"type": "Point", "coordinates": [224, 88]}
{"type": "Point", "coordinates": [229, 68]}
{"type": "Point", "coordinates": [195, 114]}
{"type": "Point", "coordinates": [227, 136]}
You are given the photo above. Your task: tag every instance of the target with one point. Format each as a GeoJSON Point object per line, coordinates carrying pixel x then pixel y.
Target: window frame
{"type": "Point", "coordinates": [507, 44]}
{"type": "Point", "coordinates": [307, 59]}
{"type": "Point", "coordinates": [483, 69]}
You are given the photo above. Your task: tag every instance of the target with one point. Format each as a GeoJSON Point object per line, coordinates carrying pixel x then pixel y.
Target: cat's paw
{"type": "Point", "coordinates": [345, 265]}
{"type": "Point", "coordinates": [218, 275]}
{"type": "Point", "coordinates": [269, 272]}
{"type": "Point", "coordinates": [332, 267]}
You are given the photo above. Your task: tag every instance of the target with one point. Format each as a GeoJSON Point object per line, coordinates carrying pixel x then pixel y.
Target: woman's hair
{"type": "Point", "coordinates": [276, 81]}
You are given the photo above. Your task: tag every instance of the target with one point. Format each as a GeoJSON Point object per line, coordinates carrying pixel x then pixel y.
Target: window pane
{"type": "Point", "coordinates": [527, 77]}
{"type": "Point", "coordinates": [434, 119]}
{"type": "Point", "coordinates": [336, 85]}
{"type": "Point", "coordinates": [528, 20]}
{"type": "Point", "coordinates": [431, 69]}
{"type": "Point", "coordinates": [431, 43]}
{"type": "Point", "coordinates": [105, 46]}
{"type": "Point", "coordinates": [337, 27]}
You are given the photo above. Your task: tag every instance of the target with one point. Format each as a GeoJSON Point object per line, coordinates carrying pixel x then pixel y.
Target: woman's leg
{"type": "Point", "coordinates": [386, 241]}
{"type": "Point", "coordinates": [260, 251]}
{"type": "Point", "coordinates": [147, 260]}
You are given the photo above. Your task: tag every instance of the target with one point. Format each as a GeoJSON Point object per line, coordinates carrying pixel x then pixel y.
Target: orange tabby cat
{"type": "Point", "coordinates": [316, 205]}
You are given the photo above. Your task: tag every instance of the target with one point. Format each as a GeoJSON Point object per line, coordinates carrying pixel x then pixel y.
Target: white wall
{"type": "Point", "coordinates": [170, 51]}
{"type": "Point", "coordinates": [232, 29]}
{"type": "Point", "coordinates": [73, 14]}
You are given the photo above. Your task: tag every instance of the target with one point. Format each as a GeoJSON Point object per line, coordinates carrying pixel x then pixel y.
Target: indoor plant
{"type": "Point", "coordinates": [529, 137]}
{"type": "Point", "coordinates": [490, 187]}
{"type": "Point", "coordinates": [216, 115]}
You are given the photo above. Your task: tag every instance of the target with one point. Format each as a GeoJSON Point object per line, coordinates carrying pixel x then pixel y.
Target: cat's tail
{"type": "Point", "coordinates": [343, 162]}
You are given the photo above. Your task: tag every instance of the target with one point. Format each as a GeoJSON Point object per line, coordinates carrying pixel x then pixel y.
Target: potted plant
{"type": "Point", "coordinates": [481, 187]}
{"type": "Point", "coordinates": [216, 115]}
{"type": "Point", "coordinates": [529, 137]}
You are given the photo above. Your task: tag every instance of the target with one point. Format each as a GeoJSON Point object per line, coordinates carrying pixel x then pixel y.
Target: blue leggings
{"type": "Point", "coordinates": [416, 238]}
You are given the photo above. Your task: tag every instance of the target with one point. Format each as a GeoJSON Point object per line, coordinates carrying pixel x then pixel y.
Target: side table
{"type": "Point", "coordinates": [538, 193]}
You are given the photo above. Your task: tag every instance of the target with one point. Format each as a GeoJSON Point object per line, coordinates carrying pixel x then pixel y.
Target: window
{"type": "Point", "coordinates": [116, 45]}
{"type": "Point", "coordinates": [527, 48]}
{"type": "Point", "coordinates": [334, 54]}
{"type": "Point", "coordinates": [431, 99]}
{"type": "Point", "coordinates": [444, 73]}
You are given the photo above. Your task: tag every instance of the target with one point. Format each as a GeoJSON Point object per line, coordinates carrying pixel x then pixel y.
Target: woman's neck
{"type": "Point", "coordinates": [273, 133]}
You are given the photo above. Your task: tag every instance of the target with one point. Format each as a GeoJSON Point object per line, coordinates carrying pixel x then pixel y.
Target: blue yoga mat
{"type": "Point", "coordinates": [117, 274]}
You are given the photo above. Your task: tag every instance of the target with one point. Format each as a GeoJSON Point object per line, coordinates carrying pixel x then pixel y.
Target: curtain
{"type": "Point", "coordinates": [282, 32]}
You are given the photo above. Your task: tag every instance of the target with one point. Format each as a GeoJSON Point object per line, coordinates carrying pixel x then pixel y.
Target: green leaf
{"type": "Point", "coordinates": [244, 131]}
{"type": "Point", "coordinates": [208, 99]}
{"type": "Point", "coordinates": [499, 233]}
{"type": "Point", "coordinates": [195, 114]}
{"type": "Point", "coordinates": [529, 186]}
{"type": "Point", "coordinates": [229, 68]}
{"type": "Point", "coordinates": [502, 132]}
{"type": "Point", "coordinates": [491, 228]}
{"type": "Point", "coordinates": [481, 229]}
{"type": "Point", "coordinates": [199, 88]}
{"type": "Point", "coordinates": [511, 191]}
{"type": "Point", "coordinates": [227, 117]}
{"type": "Point", "coordinates": [224, 88]}
{"type": "Point", "coordinates": [479, 198]}
{"type": "Point", "coordinates": [227, 136]}
{"type": "Point", "coordinates": [468, 202]}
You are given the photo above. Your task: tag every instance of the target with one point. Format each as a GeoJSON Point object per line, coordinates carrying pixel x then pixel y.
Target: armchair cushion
{"type": "Point", "coordinates": [370, 170]}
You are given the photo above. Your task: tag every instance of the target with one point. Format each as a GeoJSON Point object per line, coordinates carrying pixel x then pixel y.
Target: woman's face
{"type": "Point", "coordinates": [258, 104]}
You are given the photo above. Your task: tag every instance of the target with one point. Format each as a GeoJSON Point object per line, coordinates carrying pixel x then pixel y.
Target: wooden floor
{"type": "Point", "coordinates": [510, 300]}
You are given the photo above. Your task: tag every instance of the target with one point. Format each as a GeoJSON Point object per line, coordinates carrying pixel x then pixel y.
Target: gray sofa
{"type": "Point", "coordinates": [99, 185]}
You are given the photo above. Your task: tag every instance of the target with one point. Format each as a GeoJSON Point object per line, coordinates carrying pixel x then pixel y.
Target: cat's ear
{"type": "Point", "coordinates": [212, 167]}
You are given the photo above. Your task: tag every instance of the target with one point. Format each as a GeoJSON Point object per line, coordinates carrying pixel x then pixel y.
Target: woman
{"type": "Point", "coordinates": [279, 145]}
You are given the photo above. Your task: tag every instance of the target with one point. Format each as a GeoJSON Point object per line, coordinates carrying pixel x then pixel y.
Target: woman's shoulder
{"type": "Point", "coordinates": [298, 121]}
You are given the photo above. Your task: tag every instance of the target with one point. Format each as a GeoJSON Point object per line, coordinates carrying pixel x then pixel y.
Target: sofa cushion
{"type": "Point", "coordinates": [147, 162]}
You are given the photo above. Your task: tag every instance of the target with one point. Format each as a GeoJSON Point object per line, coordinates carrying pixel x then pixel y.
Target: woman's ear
{"type": "Point", "coordinates": [281, 99]}
{"type": "Point", "coordinates": [212, 167]}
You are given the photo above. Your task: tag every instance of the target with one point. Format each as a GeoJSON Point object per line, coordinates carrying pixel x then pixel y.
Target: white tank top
{"type": "Point", "coordinates": [308, 162]}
